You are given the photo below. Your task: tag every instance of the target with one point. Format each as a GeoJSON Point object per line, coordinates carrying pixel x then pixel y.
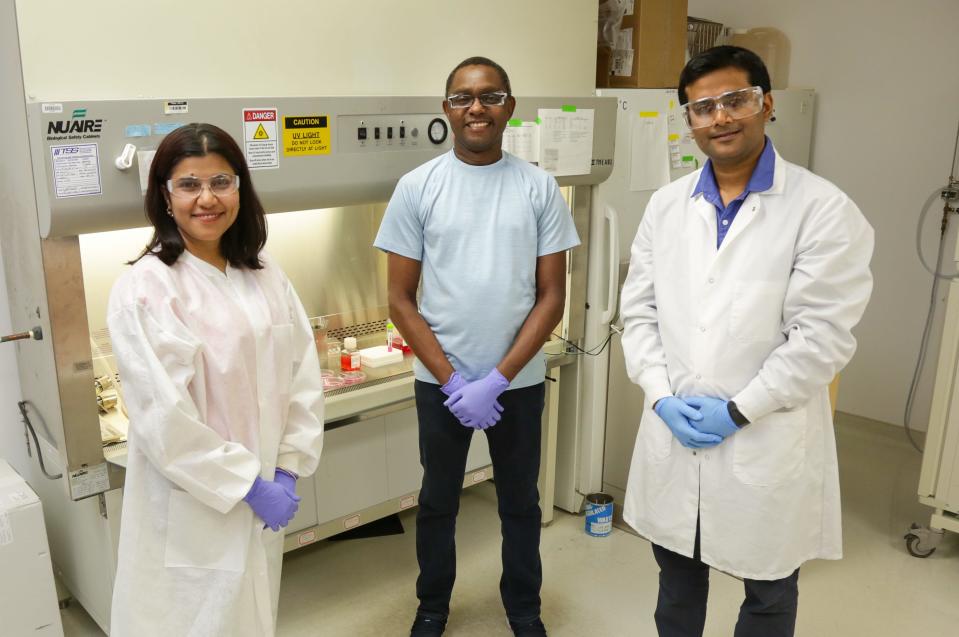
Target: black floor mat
{"type": "Point", "coordinates": [390, 525]}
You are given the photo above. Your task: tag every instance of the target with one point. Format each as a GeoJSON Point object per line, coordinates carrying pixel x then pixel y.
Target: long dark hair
{"type": "Point", "coordinates": [242, 242]}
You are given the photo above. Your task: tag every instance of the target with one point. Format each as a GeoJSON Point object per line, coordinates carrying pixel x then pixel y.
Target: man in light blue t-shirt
{"type": "Point", "coordinates": [487, 233]}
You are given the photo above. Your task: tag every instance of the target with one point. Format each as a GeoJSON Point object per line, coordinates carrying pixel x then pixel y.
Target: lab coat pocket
{"type": "Point", "coordinates": [199, 536]}
{"type": "Point", "coordinates": [756, 312]}
{"type": "Point", "coordinates": [655, 436]}
{"type": "Point", "coordinates": [771, 450]}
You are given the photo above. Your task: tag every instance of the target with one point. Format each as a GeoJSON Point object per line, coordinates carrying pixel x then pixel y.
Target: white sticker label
{"type": "Point", "coordinates": [479, 476]}
{"type": "Point", "coordinates": [176, 107]}
{"type": "Point", "coordinates": [6, 531]}
{"type": "Point", "coordinates": [89, 481]}
{"type": "Point", "coordinates": [76, 170]}
{"type": "Point", "coordinates": [260, 137]}
{"type": "Point", "coordinates": [407, 502]}
{"type": "Point", "coordinates": [144, 159]}
{"type": "Point", "coordinates": [51, 108]}
{"type": "Point", "coordinates": [307, 537]}
{"type": "Point", "coordinates": [351, 521]}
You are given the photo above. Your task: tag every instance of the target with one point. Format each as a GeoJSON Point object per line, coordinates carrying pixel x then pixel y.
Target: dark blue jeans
{"type": "Point", "coordinates": [514, 445]}
{"type": "Point", "coordinates": [768, 611]}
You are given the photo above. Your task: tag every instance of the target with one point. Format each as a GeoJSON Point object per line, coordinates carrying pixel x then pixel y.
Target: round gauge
{"type": "Point", "coordinates": [437, 131]}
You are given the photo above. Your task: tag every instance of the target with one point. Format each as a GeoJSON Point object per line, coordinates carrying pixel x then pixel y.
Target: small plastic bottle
{"type": "Point", "coordinates": [349, 357]}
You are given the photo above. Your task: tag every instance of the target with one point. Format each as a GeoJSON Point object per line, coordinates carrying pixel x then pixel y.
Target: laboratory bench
{"type": "Point", "coordinates": [369, 468]}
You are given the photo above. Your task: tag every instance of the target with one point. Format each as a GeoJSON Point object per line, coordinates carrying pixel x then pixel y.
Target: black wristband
{"type": "Point", "coordinates": [736, 415]}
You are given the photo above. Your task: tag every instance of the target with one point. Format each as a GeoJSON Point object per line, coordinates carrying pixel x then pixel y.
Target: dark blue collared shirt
{"type": "Point", "coordinates": [761, 179]}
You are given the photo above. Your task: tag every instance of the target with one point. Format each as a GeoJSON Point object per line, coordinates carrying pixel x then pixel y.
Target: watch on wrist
{"type": "Point", "coordinates": [734, 413]}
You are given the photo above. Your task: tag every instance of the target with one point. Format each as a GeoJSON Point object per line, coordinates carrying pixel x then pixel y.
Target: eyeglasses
{"type": "Point", "coordinates": [191, 187]}
{"type": "Point", "coordinates": [486, 99]}
{"type": "Point", "coordinates": [738, 104]}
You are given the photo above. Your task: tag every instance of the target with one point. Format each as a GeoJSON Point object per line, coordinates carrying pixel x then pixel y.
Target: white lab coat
{"type": "Point", "coordinates": [764, 320]}
{"type": "Point", "coordinates": [222, 384]}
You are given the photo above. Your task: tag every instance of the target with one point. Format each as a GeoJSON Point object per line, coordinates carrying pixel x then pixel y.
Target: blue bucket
{"type": "Point", "coordinates": [599, 514]}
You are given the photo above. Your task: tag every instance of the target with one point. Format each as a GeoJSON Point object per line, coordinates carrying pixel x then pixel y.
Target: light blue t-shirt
{"type": "Point", "coordinates": [478, 231]}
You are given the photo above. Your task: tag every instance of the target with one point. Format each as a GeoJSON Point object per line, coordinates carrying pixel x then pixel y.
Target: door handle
{"type": "Point", "coordinates": [612, 218]}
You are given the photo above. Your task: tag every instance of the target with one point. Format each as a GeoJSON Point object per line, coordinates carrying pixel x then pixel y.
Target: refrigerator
{"type": "Point", "coordinates": [611, 404]}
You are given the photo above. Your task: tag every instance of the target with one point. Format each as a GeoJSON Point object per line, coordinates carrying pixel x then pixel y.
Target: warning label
{"type": "Point", "coordinates": [306, 135]}
{"type": "Point", "coordinates": [260, 137]}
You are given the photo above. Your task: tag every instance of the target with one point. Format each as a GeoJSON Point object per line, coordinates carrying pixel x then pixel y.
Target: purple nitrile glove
{"type": "Point", "coordinates": [679, 417]}
{"type": "Point", "coordinates": [272, 503]}
{"type": "Point", "coordinates": [457, 382]}
{"type": "Point", "coordinates": [716, 418]}
{"type": "Point", "coordinates": [475, 405]}
{"type": "Point", "coordinates": [285, 479]}
{"type": "Point", "coordinates": [453, 383]}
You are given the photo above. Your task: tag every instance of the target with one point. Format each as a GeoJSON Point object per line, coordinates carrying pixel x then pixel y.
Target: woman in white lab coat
{"type": "Point", "coordinates": [222, 383]}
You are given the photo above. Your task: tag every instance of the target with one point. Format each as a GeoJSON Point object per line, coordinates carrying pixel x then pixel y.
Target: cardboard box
{"type": "Point", "coordinates": [28, 597]}
{"type": "Point", "coordinates": [651, 49]}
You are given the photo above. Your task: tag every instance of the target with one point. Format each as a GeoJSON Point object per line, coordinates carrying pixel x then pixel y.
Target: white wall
{"type": "Point", "coordinates": [888, 104]}
{"type": "Point", "coordinates": [213, 48]}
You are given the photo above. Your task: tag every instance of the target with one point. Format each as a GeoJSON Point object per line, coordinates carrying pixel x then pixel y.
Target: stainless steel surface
{"type": "Point", "coordinates": [329, 257]}
{"type": "Point", "coordinates": [71, 348]}
{"type": "Point", "coordinates": [371, 413]}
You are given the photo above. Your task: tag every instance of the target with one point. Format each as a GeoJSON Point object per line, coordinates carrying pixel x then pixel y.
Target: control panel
{"type": "Point", "coordinates": [378, 133]}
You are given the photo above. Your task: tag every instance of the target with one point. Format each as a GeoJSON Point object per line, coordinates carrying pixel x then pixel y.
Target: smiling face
{"type": "Point", "coordinates": [729, 141]}
{"type": "Point", "coordinates": [478, 129]}
{"type": "Point", "coordinates": [203, 220]}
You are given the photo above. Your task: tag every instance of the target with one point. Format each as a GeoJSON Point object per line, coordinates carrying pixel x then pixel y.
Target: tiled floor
{"type": "Point", "coordinates": [597, 587]}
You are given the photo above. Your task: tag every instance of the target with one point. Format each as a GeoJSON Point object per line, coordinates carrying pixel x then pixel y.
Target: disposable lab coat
{"type": "Point", "coordinates": [222, 384]}
{"type": "Point", "coordinates": [764, 320]}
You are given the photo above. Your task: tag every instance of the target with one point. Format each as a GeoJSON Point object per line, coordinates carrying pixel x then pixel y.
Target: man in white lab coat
{"type": "Point", "coordinates": [746, 278]}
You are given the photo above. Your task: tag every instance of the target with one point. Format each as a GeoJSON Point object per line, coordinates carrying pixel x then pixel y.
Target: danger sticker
{"type": "Point", "coordinates": [262, 143]}
{"type": "Point", "coordinates": [306, 135]}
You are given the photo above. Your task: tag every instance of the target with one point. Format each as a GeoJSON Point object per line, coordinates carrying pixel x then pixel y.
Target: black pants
{"type": "Point", "coordinates": [768, 611]}
{"type": "Point", "coordinates": [514, 445]}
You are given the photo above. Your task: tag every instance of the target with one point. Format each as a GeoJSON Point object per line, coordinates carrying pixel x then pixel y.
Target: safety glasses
{"type": "Point", "coordinates": [738, 104]}
{"type": "Point", "coordinates": [191, 187]}
{"type": "Point", "coordinates": [497, 98]}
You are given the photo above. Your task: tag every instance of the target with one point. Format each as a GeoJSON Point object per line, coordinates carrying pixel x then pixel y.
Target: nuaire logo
{"type": "Point", "coordinates": [74, 126]}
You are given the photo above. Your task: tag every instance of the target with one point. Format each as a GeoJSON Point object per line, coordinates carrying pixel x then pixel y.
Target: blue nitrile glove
{"type": "Point", "coordinates": [272, 503]}
{"type": "Point", "coordinates": [716, 418]}
{"type": "Point", "coordinates": [454, 383]}
{"type": "Point", "coordinates": [475, 404]}
{"type": "Point", "coordinates": [679, 417]}
{"type": "Point", "coordinates": [285, 479]}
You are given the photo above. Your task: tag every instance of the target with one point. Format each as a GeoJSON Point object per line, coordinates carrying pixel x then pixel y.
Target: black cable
{"type": "Point", "coordinates": [36, 443]}
{"type": "Point", "coordinates": [593, 351]}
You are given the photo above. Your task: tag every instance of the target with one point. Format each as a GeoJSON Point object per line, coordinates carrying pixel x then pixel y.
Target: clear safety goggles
{"type": "Point", "coordinates": [191, 187]}
{"type": "Point", "coordinates": [738, 104]}
{"type": "Point", "coordinates": [461, 100]}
